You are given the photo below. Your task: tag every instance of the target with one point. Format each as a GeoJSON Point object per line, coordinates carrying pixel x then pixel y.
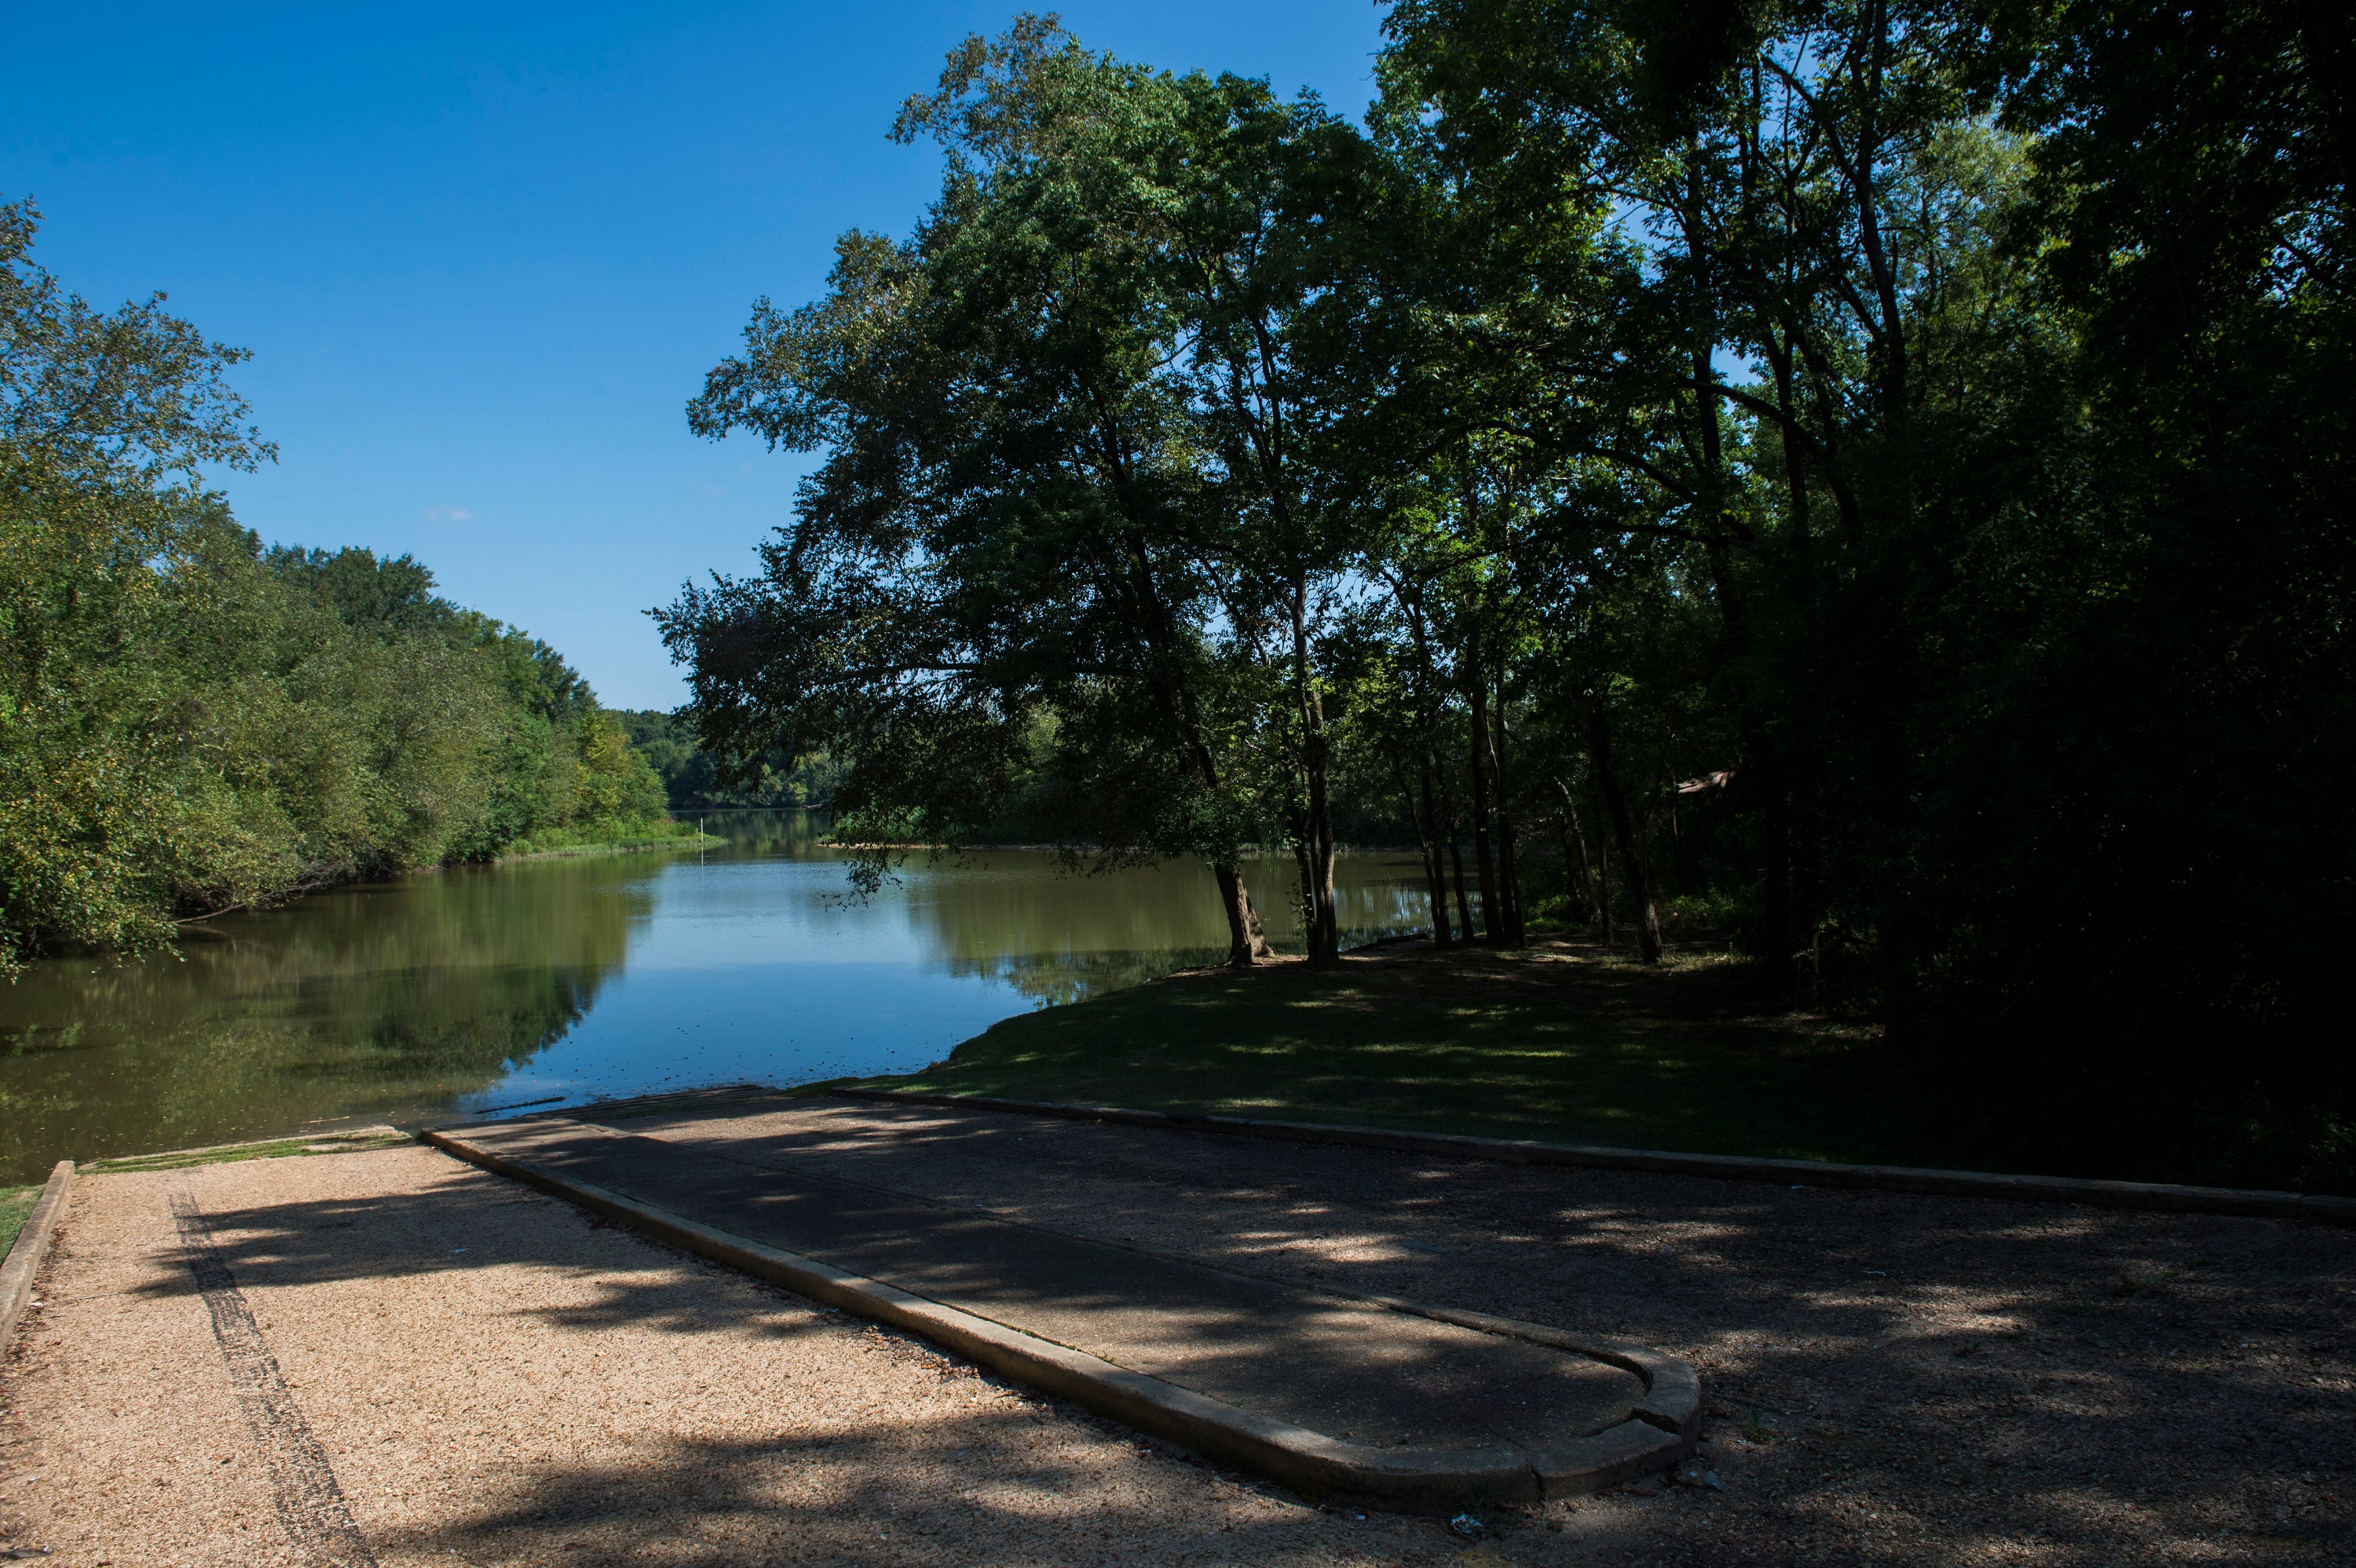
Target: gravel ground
{"type": "Point", "coordinates": [558, 1392]}
{"type": "Point", "coordinates": [1894, 1379]}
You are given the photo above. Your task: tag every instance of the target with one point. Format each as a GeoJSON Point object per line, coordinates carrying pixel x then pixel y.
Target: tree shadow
{"type": "Point", "coordinates": [1000, 1487]}
{"type": "Point", "coordinates": [2083, 1385]}
{"type": "Point", "coordinates": [2080, 1378]}
{"type": "Point", "coordinates": [1017, 1477]}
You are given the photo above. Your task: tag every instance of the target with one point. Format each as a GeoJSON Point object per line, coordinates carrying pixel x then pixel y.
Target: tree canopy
{"type": "Point", "coordinates": [1872, 474]}
{"type": "Point", "coordinates": [189, 723]}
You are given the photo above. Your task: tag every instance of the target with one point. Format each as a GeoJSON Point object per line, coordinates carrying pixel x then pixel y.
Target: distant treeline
{"type": "Point", "coordinates": [190, 723]}
{"type": "Point", "coordinates": [691, 776]}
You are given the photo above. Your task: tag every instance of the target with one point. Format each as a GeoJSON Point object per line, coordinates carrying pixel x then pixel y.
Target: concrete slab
{"type": "Point", "coordinates": [1401, 1388]}
{"type": "Point", "coordinates": [493, 1379]}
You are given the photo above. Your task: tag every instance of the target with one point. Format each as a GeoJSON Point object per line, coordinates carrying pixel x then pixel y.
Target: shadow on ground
{"type": "Point", "coordinates": [1894, 1379]}
{"type": "Point", "coordinates": [1893, 1376]}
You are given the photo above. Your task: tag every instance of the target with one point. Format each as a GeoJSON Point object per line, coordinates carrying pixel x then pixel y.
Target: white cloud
{"type": "Point", "coordinates": [448, 515]}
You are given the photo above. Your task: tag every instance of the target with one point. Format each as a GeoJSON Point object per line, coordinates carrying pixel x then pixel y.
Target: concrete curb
{"type": "Point", "coordinates": [31, 1249]}
{"type": "Point", "coordinates": [1412, 1480]}
{"type": "Point", "coordinates": [2160, 1196]}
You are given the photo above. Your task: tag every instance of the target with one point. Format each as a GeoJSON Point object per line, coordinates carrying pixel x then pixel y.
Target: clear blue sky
{"type": "Point", "coordinates": [484, 254]}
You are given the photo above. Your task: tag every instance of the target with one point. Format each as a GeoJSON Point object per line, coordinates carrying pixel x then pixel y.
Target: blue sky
{"type": "Point", "coordinates": [484, 255]}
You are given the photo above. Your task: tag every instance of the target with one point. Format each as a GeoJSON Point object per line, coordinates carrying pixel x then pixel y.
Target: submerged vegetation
{"type": "Point", "coordinates": [190, 723]}
{"type": "Point", "coordinates": [1876, 470]}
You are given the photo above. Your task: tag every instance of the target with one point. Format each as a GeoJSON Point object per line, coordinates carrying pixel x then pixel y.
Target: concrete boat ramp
{"type": "Point", "coordinates": [1396, 1404]}
{"type": "Point", "coordinates": [389, 1356]}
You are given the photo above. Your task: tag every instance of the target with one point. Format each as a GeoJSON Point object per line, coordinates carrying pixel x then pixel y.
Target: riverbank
{"type": "Point", "coordinates": [419, 994]}
{"type": "Point", "coordinates": [1567, 1041]}
{"type": "Point", "coordinates": [559, 844]}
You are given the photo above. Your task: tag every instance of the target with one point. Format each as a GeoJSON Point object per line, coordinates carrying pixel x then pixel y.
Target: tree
{"type": "Point", "coordinates": [1878, 465]}
{"type": "Point", "coordinates": [1067, 521]}
{"type": "Point", "coordinates": [189, 723]}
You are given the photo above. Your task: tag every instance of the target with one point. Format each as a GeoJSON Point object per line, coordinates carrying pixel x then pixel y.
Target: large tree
{"type": "Point", "coordinates": [1073, 519]}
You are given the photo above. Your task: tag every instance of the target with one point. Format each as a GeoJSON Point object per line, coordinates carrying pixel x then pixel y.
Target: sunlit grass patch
{"type": "Point", "coordinates": [1564, 1041]}
{"type": "Point", "coordinates": [16, 1207]}
{"type": "Point", "coordinates": [225, 1154]}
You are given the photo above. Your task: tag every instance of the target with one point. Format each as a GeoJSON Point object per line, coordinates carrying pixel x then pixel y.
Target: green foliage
{"type": "Point", "coordinates": [615, 784]}
{"type": "Point", "coordinates": [189, 723]}
{"type": "Point", "coordinates": [1962, 471]}
{"type": "Point", "coordinates": [690, 775]}
{"type": "Point", "coordinates": [1075, 527]}
{"type": "Point", "coordinates": [1871, 474]}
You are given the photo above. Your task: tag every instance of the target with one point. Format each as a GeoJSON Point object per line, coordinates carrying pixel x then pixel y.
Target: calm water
{"type": "Point", "coordinates": [557, 981]}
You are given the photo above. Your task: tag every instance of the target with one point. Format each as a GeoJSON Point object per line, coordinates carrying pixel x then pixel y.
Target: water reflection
{"type": "Point", "coordinates": [561, 980]}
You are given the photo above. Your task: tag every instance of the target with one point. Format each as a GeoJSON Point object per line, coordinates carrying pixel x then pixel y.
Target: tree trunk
{"type": "Point", "coordinates": [1886, 349]}
{"type": "Point", "coordinates": [1484, 861]}
{"type": "Point", "coordinates": [1304, 903]}
{"type": "Point", "coordinates": [1796, 476]}
{"type": "Point", "coordinates": [1324, 920]}
{"type": "Point", "coordinates": [1246, 939]}
{"type": "Point", "coordinates": [1325, 924]}
{"type": "Point", "coordinates": [1513, 930]}
{"type": "Point", "coordinates": [1509, 882]}
{"type": "Point", "coordinates": [1456, 860]}
{"type": "Point", "coordinates": [1775, 883]}
{"type": "Point", "coordinates": [1677, 845]}
{"type": "Point", "coordinates": [1573, 834]}
{"type": "Point", "coordinates": [1808, 878]}
{"type": "Point", "coordinates": [1603, 878]}
{"type": "Point", "coordinates": [1640, 890]}
{"type": "Point", "coordinates": [1435, 875]}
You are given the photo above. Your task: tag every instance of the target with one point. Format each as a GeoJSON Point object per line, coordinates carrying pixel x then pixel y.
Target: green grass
{"type": "Point", "coordinates": [225, 1154]}
{"type": "Point", "coordinates": [1573, 1042]}
{"type": "Point", "coordinates": [1567, 1041]}
{"type": "Point", "coordinates": [16, 1207]}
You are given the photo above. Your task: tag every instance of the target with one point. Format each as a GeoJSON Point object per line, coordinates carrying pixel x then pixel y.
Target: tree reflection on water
{"type": "Point", "coordinates": [384, 1001]}
{"type": "Point", "coordinates": [472, 989]}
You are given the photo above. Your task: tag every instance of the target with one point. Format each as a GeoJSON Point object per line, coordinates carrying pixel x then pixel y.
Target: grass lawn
{"type": "Point", "coordinates": [15, 1205]}
{"type": "Point", "coordinates": [1567, 1041]}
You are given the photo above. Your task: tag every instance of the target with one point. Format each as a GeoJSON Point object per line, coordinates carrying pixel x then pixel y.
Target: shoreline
{"type": "Point", "coordinates": [1095, 848]}
{"type": "Point", "coordinates": [575, 851]}
{"type": "Point", "coordinates": [1564, 1042]}
{"type": "Point", "coordinates": [195, 924]}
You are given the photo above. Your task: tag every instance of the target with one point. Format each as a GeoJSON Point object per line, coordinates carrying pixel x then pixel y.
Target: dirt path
{"type": "Point", "coordinates": [1898, 1380]}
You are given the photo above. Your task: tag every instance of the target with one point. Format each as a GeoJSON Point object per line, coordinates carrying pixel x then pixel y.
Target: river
{"type": "Point", "coordinates": [547, 983]}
